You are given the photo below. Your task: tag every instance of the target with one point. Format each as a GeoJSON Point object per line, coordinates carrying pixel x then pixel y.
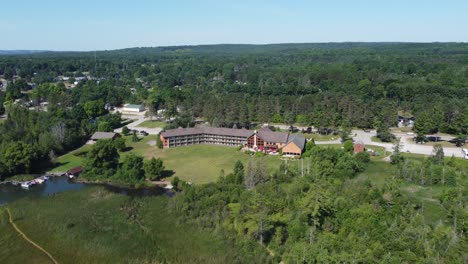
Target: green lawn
{"type": "Point", "coordinates": [152, 124]}
{"type": "Point", "coordinates": [70, 160]}
{"type": "Point", "coordinates": [199, 164]}
{"type": "Point", "coordinates": [318, 137]}
{"type": "Point", "coordinates": [94, 225]}
{"type": "Point", "coordinates": [203, 163]}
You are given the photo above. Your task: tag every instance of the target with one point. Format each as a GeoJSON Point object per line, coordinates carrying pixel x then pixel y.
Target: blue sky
{"type": "Point", "coordinates": [102, 24]}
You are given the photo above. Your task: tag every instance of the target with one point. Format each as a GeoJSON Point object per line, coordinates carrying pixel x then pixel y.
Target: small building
{"type": "Point", "coordinates": [295, 145]}
{"type": "Point", "coordinates": [104, 135]}
{"type": "Point", "coordinates": [359, 147]}
{"type": "Point", "coordinates": [74, 172]}
{"type": "Point", "coordinates": [133, 108]}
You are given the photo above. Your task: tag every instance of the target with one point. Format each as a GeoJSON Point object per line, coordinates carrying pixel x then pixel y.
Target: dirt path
{"type": "Point", "coordinates": [27, 239]}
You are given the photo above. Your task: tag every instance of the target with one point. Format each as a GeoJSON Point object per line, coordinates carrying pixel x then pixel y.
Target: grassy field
{"type": "Point", "coordinates": [13, 248]}
{"type": "Point", "coordinates": [72, 159]}
{"type": "Point", "coordinates": [318, 137]}
{"type": "Point", "coordinates": [94, 225]}
{"type": "Point", "coordinates": [203, 163]}
{"type": "Point", "coordinates": [199, 163]}
{"type": "Point", "coordinates": [152, 124]}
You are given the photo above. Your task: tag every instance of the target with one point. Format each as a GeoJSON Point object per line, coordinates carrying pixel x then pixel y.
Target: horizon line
{"type": "Point", "coordinates": [245, 44]}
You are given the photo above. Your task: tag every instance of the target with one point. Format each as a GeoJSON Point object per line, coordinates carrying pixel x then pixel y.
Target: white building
{"type": "Point", "coordinates": [133, 108]}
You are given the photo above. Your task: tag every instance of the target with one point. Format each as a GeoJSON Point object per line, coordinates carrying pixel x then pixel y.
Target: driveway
{"type": "Point", "coordinates": [406, 142]}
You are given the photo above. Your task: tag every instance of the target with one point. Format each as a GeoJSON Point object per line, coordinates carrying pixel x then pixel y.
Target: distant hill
{"type": "Point", "coordinates": [19, 52]}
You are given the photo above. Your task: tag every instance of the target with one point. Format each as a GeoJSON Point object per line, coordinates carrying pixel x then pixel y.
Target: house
{"type": "Point", "coordinates": [267, 140]}
{"type": "Point", "coordinates": [295, 145]}
{"type": "Point", "coordinates": [134, 108]}
{"type": "Point", "coordinates": [74, 172]}
{"type": "Point", "coordinates": [359, 147]}
{"type": "Point", "coordinates": [104, 135]}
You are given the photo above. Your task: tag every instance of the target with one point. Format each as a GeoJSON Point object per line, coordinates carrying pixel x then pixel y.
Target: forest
{"type": "Point", "coordinates": [333, 86]}
{"type": "Point", "coordinates": [324, 208]}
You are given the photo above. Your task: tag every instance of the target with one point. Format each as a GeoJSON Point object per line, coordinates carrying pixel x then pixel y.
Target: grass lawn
{"type": "Point", "coordinates": [381, 152]}
{"type": "Point", "coordinates": [152, 124]}
{"type": "Point", "coordinates": [318, 137]}
{"type": "Point", "coordinates": [13, 248]}
{"type": "Point", "coordinates": [94, 225]}
{"type": "Point", "coordinates": [22, 177]}
{"type": "Point", "coordinates": [72, 159]}
{"type": "Point", "coordinates": [203, 163]}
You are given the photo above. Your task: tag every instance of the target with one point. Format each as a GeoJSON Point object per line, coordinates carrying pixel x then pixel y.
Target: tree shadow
{"type": "Point", "coordinates": [127, 149]}
{"type": "Point", "coordinates": [167, 173]}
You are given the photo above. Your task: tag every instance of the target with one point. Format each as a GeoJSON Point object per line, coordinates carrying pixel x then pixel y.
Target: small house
{"type": "Point", "coordinates": [74, 172]}
{"type": "Point", "coordinates": [359, 147]}
{"type": "Point", "coordinates": [104, 135]}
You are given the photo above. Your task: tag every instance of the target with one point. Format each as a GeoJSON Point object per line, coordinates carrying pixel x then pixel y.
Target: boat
{"type": "Point", "coordinates": [25, 185]}
{"type": "Point", "coordinates": [39, 180]}
{"type": "Point", "coordinates": [45, 177]}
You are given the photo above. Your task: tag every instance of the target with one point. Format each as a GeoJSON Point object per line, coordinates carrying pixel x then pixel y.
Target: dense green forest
{"type": "Point", "coordinates": [336, 85]}
{"type": "Point", "coordinates": [321, 209]}
{"type": "Point", "coordinates": [326, 214]}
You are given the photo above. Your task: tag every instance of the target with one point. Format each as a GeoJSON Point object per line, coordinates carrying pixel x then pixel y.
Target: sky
{"type": "Point", "coordinates": [106, 25]}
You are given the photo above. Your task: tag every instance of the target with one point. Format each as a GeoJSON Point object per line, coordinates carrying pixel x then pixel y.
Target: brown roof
{"type": "Point", "coordinates": [75, 170]}
{"type": "Point", "coordinates": [207, 130]}
{"type": "Point", "coordinates": [270, 136]}
{"type": "Point", "coordinates": [103, 135]}
{"type": "Point", "coordinates": [228, 131]}
{"type": "Point", "coordinates": [182, 132]}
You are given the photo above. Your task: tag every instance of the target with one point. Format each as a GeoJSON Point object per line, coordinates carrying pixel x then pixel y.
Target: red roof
{"type": "Point", "coordinates": [76, 170]}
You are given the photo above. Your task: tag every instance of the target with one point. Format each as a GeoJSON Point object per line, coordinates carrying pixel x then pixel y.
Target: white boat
{"type": "Point", "coordinates": [45, 177]}
{"type": "Point", "coordinates": [25, 185]}
{"type": "Point", "coordinates": [39, 180]}
{"type": "Point", "coordinates": [71, 176]}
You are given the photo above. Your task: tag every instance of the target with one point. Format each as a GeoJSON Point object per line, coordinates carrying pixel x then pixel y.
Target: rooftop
{"type": "Point", "coordinates": [133, 106]}
{"type": "Point", "coordinates": [207, 130]}
{"type": "Point", "coordinates": [298, 139]}
{"type": "Point", "coordinates": [103, 135]}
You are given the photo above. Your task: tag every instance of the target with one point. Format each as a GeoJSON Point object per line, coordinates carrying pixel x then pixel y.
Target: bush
{"type": "Point", "coordinates": [348, 146]}
{"type": "Point", "coordinates": [363, 157]}
{"type": "Point", "coordinates": [125, 130]}
{"type": "Point", "coordinates": [159, 142]}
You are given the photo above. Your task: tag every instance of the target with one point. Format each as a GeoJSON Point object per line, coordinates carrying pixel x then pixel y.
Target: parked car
{"type": "Point", "coordinates": [143, 133]}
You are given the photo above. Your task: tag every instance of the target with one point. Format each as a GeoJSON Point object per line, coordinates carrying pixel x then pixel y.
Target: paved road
{"type": "Point", "coordinates": [406, 142]}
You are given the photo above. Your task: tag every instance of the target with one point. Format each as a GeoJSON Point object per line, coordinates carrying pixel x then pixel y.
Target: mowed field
{"type": "Point", "coordinates": [152, 124]}
{"type": "Point", "coordinates": [199, 163]}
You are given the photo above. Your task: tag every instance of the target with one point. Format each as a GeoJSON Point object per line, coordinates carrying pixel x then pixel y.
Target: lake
{"type": "Point", "coordinates": [10, 193]}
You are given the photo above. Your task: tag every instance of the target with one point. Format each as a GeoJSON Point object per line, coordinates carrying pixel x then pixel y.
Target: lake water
{"type": "Point", "coordinates": [10, 193]}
